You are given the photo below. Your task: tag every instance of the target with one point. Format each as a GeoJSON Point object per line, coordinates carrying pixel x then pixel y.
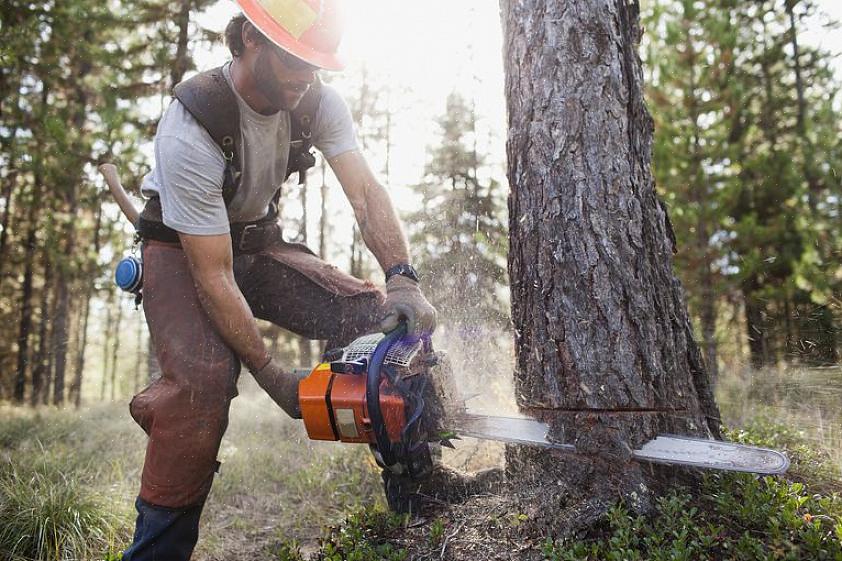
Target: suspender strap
{"type": "Point", "coordinates": [209, 99]}
{"type": "Point", "coordinates": [301, 132]}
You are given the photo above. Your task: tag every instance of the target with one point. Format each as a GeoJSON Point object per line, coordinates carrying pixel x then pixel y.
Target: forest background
{"type": "Point", "coordinates": [748, 156]}
{"type": "Point", "coordinates": [746, 102]}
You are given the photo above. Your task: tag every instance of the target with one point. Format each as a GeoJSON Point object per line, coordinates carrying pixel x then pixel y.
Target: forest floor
{"type": "Point", "coordinates": [278, 494]}
{"type": "Point", "coordinates": [275, 486]}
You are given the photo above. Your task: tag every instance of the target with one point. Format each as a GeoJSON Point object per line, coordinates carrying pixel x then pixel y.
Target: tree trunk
{"type": "Point", "coordinates": [356, 253]}
{"type": "Point", "coordinates": [49, 374]}
{"type": "Point", "coordinates": [25, 325]}
{"type": "Point", "coordinates": [153, 370]}
{"type": "Point", "coordinates": [61, 334]}
{"type": "Point", "coordinates": [701, 196]}
{"type": "Point", "coordinates": [106, 343]}
{"type": "Point", "coordinates": [323, 226]}
{"type": "Point", "coordinates": [40, 364]}
{"type": "Point", "coordinates": [115, 349]}
{"type": "Point", "coordinates": [138, 355]}
{"type": "Point", "coordinates": [181, 63]}
{"type": "Point", "coordinates": [8, 193]}
{"type": "Point", "coordinates": [79, 367]}
{"type": "Point", "coordinates": [605, 351]}
{"type": "Point", "coordinates": [825, 353]}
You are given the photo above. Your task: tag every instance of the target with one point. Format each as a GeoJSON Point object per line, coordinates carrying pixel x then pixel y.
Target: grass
{"type": "Point", "coordinates": [59, 497]}
{"type": "Point", "coordinates": [805, 403]}
{"type": "Point", "coordinates": [68, 481]}
{"type": "Point", "coordinates": [46, 514]}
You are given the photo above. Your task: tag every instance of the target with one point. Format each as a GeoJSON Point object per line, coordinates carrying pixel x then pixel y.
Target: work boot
{"type": "Point", "coordinates": [164, 534]}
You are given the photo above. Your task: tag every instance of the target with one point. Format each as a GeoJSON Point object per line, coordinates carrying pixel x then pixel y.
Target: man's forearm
{"type": "Point", "coordinates": [381, 229]}
{"type": "Point", "coordinates": [224, 303]}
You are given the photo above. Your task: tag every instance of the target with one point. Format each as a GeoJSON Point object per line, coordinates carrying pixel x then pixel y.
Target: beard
{"type": "Point", "coordinates": [281, 94]}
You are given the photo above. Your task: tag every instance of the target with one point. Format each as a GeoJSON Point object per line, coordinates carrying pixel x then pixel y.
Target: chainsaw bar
{"type": "Point", "coordinates": [663, 449]}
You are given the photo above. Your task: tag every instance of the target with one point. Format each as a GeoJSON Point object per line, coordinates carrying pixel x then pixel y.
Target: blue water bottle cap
{"type": "Point", "coordinates": [128, 274]}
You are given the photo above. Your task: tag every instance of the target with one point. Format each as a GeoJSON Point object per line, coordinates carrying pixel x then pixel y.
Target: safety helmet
{"type": "Point", "coordinates": [308, 29]}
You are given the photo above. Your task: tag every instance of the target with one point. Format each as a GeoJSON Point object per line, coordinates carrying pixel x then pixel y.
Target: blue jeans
{"type": "Point", "coordinates": [164, 534]}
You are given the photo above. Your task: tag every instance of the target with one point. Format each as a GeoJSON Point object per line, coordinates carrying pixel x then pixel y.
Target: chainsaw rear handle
{"type": "Point", "coordinates": [372, 393]}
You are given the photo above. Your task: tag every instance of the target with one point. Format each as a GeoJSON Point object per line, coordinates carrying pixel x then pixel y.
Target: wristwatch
{"type": "Point", "coordinates": [404, 269]}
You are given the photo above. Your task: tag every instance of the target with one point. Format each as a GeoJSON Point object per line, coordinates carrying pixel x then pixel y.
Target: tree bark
{"type": "Point", "coordinates": [138, 355]}
{"type": "Point", "coordinates": [40, 364]}
{"type": "Point", "coordinates": [604, 348]}
{"type": "Point", "coordinates": [25, 324]}
{"type": "Point", "coordinates": [115, 349]}
{"type": "Point", "coordinates": [61, 333]}
{"type": "Point", "coordinates": [181, 63]}
{"type": "Point", "coordinates": [79, 367]}
{"type": "Point", "coordinates": [106, 342]}
{"type": "Point", "coordinates": [5, 223]}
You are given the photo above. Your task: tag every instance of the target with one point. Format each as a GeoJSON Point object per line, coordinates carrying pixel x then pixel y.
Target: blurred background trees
{"type": "Point", "coordinates": [747, 158]}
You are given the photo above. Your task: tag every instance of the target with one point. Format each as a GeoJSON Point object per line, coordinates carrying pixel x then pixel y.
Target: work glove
{"type": "Point", "coordinates": [281, 386]}
{"type": "Point", "coordinates": [404, 301]}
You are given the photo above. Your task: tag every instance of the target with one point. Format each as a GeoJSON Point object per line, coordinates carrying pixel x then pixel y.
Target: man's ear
{"type": "Point", "coordinates": [251, 36]}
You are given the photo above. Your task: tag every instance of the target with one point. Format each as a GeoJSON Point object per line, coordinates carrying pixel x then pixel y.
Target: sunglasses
{"type": "Point", "coordinates": [291, 61]}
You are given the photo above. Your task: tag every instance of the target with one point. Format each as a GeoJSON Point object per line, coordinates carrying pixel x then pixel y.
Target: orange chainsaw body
{"type": "Point", "coordinates": [333, 407]}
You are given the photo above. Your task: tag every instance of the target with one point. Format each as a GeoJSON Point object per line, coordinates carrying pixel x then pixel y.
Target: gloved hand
{"type": "Point", "coordinates": [405, 301]}
{"type": "Point", "coordinates": [281, 386]}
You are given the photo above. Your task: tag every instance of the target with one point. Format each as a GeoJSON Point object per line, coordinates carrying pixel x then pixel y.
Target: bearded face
{"type": "Point", "coordinates": [279, 79]}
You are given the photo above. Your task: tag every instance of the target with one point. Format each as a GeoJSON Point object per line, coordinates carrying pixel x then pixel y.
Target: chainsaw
{"type": "Point", "coordinates": [397, 395]}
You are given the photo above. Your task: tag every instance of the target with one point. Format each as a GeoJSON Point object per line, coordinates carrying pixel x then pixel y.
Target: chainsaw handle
{"type": "Point", "coordinates": [372, 393]}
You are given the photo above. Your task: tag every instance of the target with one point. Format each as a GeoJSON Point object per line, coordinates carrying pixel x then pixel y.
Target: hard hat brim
{"type": "Point", "coordinates": [261, 19]}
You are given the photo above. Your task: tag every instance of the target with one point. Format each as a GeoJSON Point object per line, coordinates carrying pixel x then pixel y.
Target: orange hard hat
{"type": "Point", "coordinates": [308, 29]}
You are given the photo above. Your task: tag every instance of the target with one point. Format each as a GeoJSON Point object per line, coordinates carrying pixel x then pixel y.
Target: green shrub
{"type": "Point", "coordinates": [361, 538]}
{"type": "Point", "coordinates": [734, 516]}
{"type": "Point", "coordinates": [48, 515]}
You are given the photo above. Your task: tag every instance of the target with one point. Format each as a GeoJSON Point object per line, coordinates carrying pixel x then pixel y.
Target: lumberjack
{"type": "Point", "coordinates": [214, 258]}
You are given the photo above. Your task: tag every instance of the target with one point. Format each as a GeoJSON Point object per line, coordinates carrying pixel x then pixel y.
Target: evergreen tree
{"type": "Point", "coordinates": [459, 232]}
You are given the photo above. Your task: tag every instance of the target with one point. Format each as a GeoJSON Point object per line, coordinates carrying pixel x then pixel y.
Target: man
{"type": "Point", "coordinates": [214, 259]}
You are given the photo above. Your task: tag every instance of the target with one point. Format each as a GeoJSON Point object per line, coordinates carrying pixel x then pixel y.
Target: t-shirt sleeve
{"type": "Point", "coordinates": [333, 127]}
{"type": "Point", "coordinates": [189, 171]}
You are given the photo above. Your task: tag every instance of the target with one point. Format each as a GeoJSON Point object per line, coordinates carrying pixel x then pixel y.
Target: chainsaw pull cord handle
{"type": "Point", "coordinates": [372, 393]}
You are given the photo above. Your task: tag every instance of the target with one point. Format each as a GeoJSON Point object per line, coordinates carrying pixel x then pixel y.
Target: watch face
{"type": "Point", "coordinates": [405, 270]}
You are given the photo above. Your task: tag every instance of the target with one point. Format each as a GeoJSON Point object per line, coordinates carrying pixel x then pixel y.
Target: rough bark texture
{"type": "Point", "coordinates": [605, 351]}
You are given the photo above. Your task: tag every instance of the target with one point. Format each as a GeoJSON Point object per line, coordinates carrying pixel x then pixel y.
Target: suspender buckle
{"type": "Point", "coordinates": [243, 245]}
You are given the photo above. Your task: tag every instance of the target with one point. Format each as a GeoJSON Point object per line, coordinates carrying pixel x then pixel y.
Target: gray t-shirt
{"type": "Point", "coordinates": [189, 165]}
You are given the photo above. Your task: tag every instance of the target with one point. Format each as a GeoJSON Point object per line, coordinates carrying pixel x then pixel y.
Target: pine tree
{"type": "Point", "coordinates": [459, 232]}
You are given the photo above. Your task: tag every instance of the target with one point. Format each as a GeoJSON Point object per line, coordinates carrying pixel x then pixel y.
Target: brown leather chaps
{"type": "Point", "coordinates": [185, 411]}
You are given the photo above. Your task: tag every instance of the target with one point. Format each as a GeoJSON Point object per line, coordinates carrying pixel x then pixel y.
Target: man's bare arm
{"type": "Point", "coordinates": [211, 264]}
{"type": "Point", "coordinates": [383, 235]}
{"type": "Point", "coordinates": [375, 214]}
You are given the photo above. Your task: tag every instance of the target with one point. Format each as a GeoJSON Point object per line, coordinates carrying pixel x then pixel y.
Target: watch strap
{"type": "Point", "coordinates": [403, 269]}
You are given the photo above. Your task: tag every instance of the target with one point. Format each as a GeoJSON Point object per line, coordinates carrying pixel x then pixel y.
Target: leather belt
{"type": "Point", "coordinates": [246, 237]}
{"type": "Point", "coordinates": [252, 237]}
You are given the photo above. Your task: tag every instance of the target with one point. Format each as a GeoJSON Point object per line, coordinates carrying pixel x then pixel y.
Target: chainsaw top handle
{"type": "Point", "coordinates": [372, 393]}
